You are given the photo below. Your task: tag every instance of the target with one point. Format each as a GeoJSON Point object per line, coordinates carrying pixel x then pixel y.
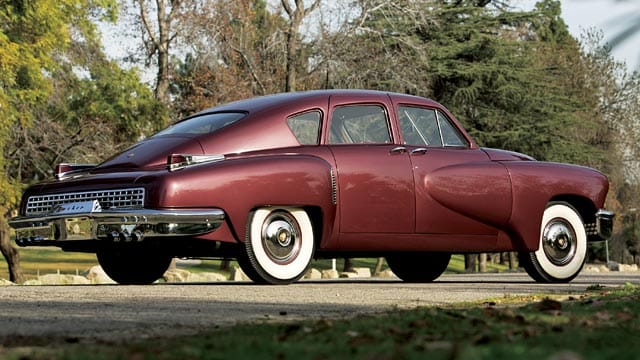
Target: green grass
{"type": "Point", "coordinates": [48, 260]}
{"type": "Point", "coordinates": [596, 325]}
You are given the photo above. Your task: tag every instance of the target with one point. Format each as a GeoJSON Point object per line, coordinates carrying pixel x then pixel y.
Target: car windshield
{"type": "Point", "coordinates": [203, 124]}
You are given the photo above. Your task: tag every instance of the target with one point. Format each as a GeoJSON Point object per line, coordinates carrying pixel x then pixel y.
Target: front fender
{"type": "Point", "coordinates": [239, 185]}
{"type": "Point", "coordinates": [535, 184]}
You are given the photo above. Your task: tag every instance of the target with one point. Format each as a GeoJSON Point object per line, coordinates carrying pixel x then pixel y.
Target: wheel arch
{"type": "Point", "coordinates": [239, 186]}
{"type": "Point", "coordinates": [585, 207]}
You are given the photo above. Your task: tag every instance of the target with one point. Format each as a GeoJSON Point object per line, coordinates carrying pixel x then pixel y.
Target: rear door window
{"type": "Point", "coordinates": [359, 124]}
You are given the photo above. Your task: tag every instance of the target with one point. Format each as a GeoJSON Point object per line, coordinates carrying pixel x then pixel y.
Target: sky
{"type": "Point", "coordinates": [605, 15]}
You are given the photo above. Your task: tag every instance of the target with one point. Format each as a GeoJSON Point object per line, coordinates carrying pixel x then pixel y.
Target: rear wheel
{"type": "Point", "coordinates": [133, 266]}
{"type": "Point", "coordinates": [563, 246]}
{"type": "Point", "coordinates": [279, 244]}
{"type": "Point", "coordinates": [418, 267]}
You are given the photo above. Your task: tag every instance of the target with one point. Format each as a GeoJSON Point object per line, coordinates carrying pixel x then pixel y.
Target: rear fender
{"type": "Point", "coordinates": [240, 185]}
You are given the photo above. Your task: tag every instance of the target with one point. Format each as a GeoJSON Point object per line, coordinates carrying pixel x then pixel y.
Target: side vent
{"type": "Point", "coordinates": [334, 188]}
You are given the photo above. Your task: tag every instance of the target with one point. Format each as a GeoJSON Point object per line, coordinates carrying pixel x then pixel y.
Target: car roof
{"type": "Point", "coordinates": [261, 103]}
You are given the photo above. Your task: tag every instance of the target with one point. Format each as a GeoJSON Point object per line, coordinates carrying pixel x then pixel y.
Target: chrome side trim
{"type": "Point", "coordinates": [115, 225]}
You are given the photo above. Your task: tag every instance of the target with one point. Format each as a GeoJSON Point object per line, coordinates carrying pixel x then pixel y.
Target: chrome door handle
{"type": "Point", "coordinates": [419, 151]}
{"type": "Point", "coordinates": [398, 150]}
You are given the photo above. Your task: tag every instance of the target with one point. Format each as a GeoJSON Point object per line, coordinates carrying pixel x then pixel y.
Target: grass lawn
{"type": "Point", "coordinates": [596, 325]}
{"type": "Point", "coordinates": [49, 260]}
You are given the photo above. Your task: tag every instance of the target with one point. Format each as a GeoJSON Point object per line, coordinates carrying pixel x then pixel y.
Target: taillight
{"type": "Point", "coordinates": [63, 170]}
{"type": "Point", "coordinates": [179, 161]}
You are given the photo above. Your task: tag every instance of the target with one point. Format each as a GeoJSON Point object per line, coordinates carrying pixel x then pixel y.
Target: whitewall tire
{"type": "Point", "coordinates": [280, 243]}
{"type": "Point", "coordinates": [563, 246]}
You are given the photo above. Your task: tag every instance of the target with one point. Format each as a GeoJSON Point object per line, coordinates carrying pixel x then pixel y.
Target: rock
{"type": "Point", "coordinates": [313, 274]}
{"type": "Point", "coordinates": [206, 277]}
{"type": "Point", "coordinates": [349, 274]}
{"type": "Point", "coordinates": [96, 275]}
{"type": "Point", "coordinates": [594, 268]}
{"type": "Point", "coordinates": [613, 266]}
{"type": "Point", "coordinates": [628, 268]}
{"type": "Point", "coordinates": [330, 274]}
{"type": "Point", "coordinates": [361, 272]}
{"type": "Point", "coordinates": [33, 282]}
{"type": "Point", "coordinates": [4, 282]}
{"type": "Point", "coordinates": [176, 275]}
{"type": "Point", "coordinates": [238, 275]}
{"type": "Point", "coordinates": [61, 279]}
{"type": "Point", "coordinates": [386, 274]}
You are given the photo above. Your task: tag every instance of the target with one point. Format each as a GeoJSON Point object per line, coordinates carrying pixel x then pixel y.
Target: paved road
{"type": "Point", "coordinates": [44, 314]}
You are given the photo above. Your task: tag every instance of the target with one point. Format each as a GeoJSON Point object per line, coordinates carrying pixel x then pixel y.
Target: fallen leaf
{"type": "Point", "coordinates": [548, 305]}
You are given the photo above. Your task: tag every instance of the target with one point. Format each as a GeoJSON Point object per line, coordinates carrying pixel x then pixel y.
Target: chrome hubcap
{"type": "Point", "coordinates": [559, 242]}
{"type": "Point", "coordinates": [281, 237]}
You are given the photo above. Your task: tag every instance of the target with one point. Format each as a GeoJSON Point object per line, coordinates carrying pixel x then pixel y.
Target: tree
{"type": "Point", "coordinates": [29, 33]}
{"type": "Point", "coordinates": [158, 23]}
{"type": "Point", "coordinates": [296, 14]}
{"type": "Point", "coordinates": [87, 107]}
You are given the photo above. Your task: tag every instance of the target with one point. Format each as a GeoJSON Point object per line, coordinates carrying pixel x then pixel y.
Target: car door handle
{"type": "Point", "coordinates": [419, 151]}
{"type": "Point", "coordinates": [398, 150]}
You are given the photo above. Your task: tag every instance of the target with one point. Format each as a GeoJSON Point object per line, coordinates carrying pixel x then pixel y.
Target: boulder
{"type": "Point", "coordinates": [360, 272]}
{"type": "Point", "coordinates": [386, 274]}
{"type": "Point", "coordinates": [313, 274]}
{"type": "Point", "coordinates": [330, 274]}
{"type": "Point", "coordinates": [96, 275]}
{"type": "Point", "coordinates": [176, 275]}
{"type": "Point", "coordinates": [62, 279]}
{"type": "Point", "coordinates": [238, 275]}
{"type": "Point", "coordinates": [628, 268]}
{"type": "Point", "coordinates": [594, 268]}
{"type": "Point", "coordinates": [206, 277]}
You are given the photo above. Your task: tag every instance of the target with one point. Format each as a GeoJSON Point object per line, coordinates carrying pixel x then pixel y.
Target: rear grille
{"type": "Point", "coordinates": [125, 198]}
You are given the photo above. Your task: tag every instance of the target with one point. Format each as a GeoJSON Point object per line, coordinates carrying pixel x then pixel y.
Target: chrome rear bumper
{"type": "Point", "coordinates": [114, 225]}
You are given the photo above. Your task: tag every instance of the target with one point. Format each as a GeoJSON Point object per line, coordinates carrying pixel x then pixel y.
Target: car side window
{"type": "Point", "coordinates": [359, 124]}
{"type": "Point", "coordinates": [305, 127]}
{"type": "Point", "coordinates": [419, 126]}
{"type": "Point", "coordinates": [450, 134]}
{"type": "Point", "coordinates": [428, 127]}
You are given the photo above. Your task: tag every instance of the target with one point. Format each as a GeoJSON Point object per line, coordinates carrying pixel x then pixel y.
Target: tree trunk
{"type": "Point", "coordinates": [348, 265]}
{"type": "Point", "coordinates": [482, 265]}
{"type": "Point", "coordinates": [296, 15]}
{"type": "Point", "coordinates": [10, 254]}
{"type": "Point", "coordinates": [378, 269]}
{"type": "Point", "coordinates": [513, 261]}
{"type": "Point", "coordinates": [470, 261]}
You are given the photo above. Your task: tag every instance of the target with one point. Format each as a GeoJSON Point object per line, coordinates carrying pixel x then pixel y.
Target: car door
{"type": "Point", "coordinates": [457, 189]}
{"type": "Point", "coordinates": [374, 176]}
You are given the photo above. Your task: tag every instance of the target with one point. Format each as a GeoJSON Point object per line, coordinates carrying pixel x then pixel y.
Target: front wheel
{"type": "Point", "coordinates": [563, 246]}
{"type": "Point", "coordinates": [133, 266]}
{"type": "Point", "coordinates": [418, 267]}
{"type": "Point", "coordinates": [279, 244]}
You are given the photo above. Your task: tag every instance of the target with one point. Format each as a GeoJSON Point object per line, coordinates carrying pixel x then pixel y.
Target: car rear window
{"type": "Point", "coordinates": [305, 127]}
{"type": "Point", "coordinates": [202, 124]}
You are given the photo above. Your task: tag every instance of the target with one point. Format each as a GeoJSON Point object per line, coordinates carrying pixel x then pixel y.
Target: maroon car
{"type": "Point", "coordinates": [279, 180]}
